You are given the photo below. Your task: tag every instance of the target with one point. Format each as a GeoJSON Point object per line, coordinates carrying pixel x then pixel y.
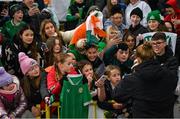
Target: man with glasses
{"type": "Point", "coordinates": [164, 53]}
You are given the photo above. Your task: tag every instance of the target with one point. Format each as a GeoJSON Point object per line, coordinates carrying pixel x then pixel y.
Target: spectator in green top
{"type": "Point", "coordinates": [11, 27]}
{"type": "Point", "coordinates": [76, 13]}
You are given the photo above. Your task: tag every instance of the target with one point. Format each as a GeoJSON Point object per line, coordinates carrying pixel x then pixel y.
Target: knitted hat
{"type": "Point", "coordinates": [5, 78]}
{"type": "Point", "coordinates": [174, 5]}
{"type": "Point", "coordinates": [14, 8]}
{"type": "Point", "coordinates": [25, 62]}
{"type": "Point", "coordinates": [154, 15]}
{"type": "Point", "coordinates": [137, 11]}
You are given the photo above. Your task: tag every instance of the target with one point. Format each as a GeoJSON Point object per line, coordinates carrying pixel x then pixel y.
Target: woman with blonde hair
{"type": "Point", "coordinates": [49, 29]}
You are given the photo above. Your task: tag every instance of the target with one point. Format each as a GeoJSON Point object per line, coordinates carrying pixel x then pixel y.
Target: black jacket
{"type": "Point", "coordinates": [35, 20]}
{"type": "Point", "coordinates": [168, 60]}
{"type": "Point", "coordinates": [151, 87]}
{"type": "Point", "coordinates": [139, 29]}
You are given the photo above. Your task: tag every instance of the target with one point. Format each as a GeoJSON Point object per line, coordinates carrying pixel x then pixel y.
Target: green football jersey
{"type": "Point", "coordinates": [74, 98]}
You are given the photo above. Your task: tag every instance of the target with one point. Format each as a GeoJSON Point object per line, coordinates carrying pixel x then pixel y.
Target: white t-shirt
{"type": "Point", "coordinates": [143, 6]}
{"type": "Point", "coordinates": [61, 8]}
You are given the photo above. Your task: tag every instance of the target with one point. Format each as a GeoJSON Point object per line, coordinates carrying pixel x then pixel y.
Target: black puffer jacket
{"type": "Point", "coordinates": [151, 87]}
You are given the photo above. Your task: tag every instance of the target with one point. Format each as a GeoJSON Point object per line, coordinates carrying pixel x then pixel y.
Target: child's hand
{"type": "Point", "coordinates": [89, 78]}
{"type": "Point", "coordinates": [32, 11]}
{"type": "Point", "coordinates": [136, 62]}
{"type": "Point", "coordinates": [117, 105]}
{"type": "Point", "coordinates": [35, 111]}
{"type": "Point", "coordinates": [176, 21]}
{"type": "Point", "coordinates": [114, 41]}
{"type": "Point", "coordinates": [47, 100]}
{"type": "Point", "coordinates": [139, 38]}
{"type": "Point", "coordinates": [99, 83]}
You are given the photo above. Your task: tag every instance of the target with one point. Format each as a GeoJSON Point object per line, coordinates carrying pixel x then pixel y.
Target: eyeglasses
{"type": "Point", "coordinates": [157, 43]}
{"type": "Point", "coordinates": [33, 68]}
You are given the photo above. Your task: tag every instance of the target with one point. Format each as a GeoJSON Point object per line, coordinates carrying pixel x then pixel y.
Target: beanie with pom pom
{"type": "Point", "coordinates": [25, 62]}
{"type": "Point", "coordinates": [5, 78]}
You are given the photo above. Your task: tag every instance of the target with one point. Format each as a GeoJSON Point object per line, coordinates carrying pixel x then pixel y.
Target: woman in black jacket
{"type": "Point", "coordinates": [151, 87]}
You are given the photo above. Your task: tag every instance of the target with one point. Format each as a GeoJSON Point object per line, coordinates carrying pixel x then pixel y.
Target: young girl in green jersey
{"type": "Point", "coordinates": [86, 69]}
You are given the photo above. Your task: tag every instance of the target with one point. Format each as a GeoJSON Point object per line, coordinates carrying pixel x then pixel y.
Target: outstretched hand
{"type": "Point", "coordinates": [4, 13]}
{"type": "Point", "coordinates": [99, 83]}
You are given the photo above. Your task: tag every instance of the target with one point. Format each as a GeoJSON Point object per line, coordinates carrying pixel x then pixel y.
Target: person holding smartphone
{"type": "Point", "coordinates": [86, 69]}
{"type": "Point", "coordinates": [113, 109]}
{"type": "Point", "coordinates": [34, 9]}
{"type": "Point", "coordinates": [116, 19]}
{"type": "Point", "coordinates": [33, 15]}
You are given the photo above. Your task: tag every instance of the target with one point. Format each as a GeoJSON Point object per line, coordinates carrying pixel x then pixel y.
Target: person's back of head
{"type": "Point", "coordinates": [145, 52]}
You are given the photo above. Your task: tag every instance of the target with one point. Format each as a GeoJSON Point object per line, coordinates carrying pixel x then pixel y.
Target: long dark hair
{"type": "Point", "coordinates": [29, 81]}
{"type": "Point", "coordinates": [126, 35]}
{"type": "Point", "coordinates": [50, 57]}
{"type": "Point", "coordinates": [19, 42]}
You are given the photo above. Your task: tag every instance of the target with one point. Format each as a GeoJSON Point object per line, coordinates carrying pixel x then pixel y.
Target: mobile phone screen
{"type": "Point", "coordinates": [35, 5]}
{"type": "Point", "coordinates": [103, 77]}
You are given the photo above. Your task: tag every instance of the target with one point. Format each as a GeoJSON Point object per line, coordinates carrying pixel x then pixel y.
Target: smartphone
{"type": "Point", "coordinates": [103, 77]}
{"type": "Point", "coordinates": [35, 5]}
{"type": "Point", "coordinates": [44, 47]}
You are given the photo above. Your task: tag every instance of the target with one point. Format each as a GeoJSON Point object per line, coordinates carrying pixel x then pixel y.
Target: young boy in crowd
{"type": "Point", "coordinates": [76, 14]}
{"type": "Point", "coordinates": [11, 27]}
{"type": "Point", "coordinates": [119, 56]}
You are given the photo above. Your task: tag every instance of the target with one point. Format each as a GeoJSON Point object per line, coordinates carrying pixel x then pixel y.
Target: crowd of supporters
{"type": "Point", "coordinates": [122, 54]}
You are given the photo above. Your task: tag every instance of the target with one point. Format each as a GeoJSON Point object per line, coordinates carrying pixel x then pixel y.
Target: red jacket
{"type": "Point", "coordinates": [169, 17]}
{"type": "Point", "coordinates": [177, 27]}
{"type": "Point", "coordinates": [52, 83]}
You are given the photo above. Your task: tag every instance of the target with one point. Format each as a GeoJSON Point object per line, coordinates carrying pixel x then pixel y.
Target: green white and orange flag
{"type": "Point", "coordinates": [90, 29]}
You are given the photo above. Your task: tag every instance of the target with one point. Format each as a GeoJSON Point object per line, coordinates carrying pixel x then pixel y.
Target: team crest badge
{"type": "Point", "coordinates": [80, 90]}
